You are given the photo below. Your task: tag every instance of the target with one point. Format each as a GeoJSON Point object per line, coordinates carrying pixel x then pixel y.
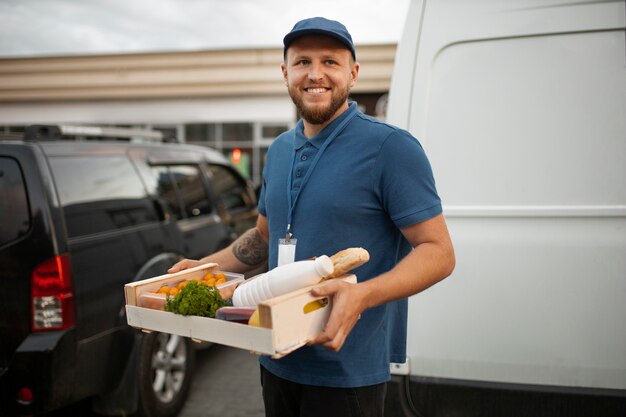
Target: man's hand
{"type": "Point", "coordinates": [349, 301]}
{"type": "Point", "coordinates": [184, 264]}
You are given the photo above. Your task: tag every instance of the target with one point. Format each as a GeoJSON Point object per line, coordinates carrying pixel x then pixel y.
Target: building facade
{"type": "Point", "coordinates": [232, 100]}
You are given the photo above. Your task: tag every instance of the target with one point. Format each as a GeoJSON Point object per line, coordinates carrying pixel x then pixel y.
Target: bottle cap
{"type": "Point", "coordinates": [324, 266]}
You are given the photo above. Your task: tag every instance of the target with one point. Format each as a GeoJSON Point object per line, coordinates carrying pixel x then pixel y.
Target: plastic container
{"type": "Point", "coordinates": [236, 314]}
{"type": "Point", "coordinates": [282, 280]}
{"type": "Point", "coordinates": [150, 299]}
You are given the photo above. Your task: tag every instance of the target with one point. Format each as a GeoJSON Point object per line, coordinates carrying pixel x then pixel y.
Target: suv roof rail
{"type": "Point", "coordinates": [42, 132]}
{"type": "Point", "coordinates": [113, 132]}
{"type": "Point", "coordinates": [54, 132]}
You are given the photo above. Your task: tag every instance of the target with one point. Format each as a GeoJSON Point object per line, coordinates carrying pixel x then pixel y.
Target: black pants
{"type": "Point", "coordinates": [284, 398]}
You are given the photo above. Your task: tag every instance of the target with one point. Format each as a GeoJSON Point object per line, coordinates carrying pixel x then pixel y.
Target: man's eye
{"type": "Point", "coordinates": [303, 62]}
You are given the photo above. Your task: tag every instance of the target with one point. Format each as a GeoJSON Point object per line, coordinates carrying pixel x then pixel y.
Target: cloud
{"type": "Point", "coordinates": [60, 27]}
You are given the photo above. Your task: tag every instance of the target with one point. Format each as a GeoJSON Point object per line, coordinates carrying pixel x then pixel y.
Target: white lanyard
{"type": "Point", "coordinates": [292, 204]}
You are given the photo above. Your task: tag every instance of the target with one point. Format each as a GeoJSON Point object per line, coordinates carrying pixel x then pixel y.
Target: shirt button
{"type": "Point", "coordinates": [303, 157]}
{"type": "Point", "coordinates": [298, 173]}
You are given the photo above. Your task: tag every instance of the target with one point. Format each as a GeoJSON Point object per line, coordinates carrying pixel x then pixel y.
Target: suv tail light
{"type": "Point", "coordinates": [52, 295]}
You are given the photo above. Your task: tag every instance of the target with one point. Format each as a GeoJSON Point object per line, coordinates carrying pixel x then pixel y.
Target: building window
{"type": "Point", "coordinates": [201, 132]}
{"type": "Point", "coordinates": [272, 131]}
{"type": "Point", "coordinates": [237, 132]}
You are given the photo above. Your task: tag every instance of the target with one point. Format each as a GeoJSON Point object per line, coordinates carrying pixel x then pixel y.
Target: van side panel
{"type": "Point", "coordinates": [521, 108]}
{"type": "Point", "coordinates": [403, 77]}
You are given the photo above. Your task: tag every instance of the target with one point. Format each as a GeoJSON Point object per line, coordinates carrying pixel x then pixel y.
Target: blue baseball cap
{"type": "Point", "coordinates": [320, 26]}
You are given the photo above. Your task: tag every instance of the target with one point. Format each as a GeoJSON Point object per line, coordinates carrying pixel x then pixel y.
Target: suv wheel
{"type": "Point", "coordinates": [166, 364]}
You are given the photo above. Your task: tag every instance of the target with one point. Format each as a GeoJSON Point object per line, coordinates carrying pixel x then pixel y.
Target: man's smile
{"type": "Point", "coordinates": [316, 90]}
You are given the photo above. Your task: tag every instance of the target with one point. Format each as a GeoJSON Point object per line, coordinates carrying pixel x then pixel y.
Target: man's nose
{"type": "Point", "coordinates": [316, 72]}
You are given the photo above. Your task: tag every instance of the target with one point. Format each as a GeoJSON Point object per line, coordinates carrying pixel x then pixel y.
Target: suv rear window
{"type": "Point", "coordinates": [14, 202]}
{"type": "Point", "coordinates": [100, 193]}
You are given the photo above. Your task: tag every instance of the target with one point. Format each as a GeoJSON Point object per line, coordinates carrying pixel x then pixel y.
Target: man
{"type": "Point", "coordinates": [342, 179]}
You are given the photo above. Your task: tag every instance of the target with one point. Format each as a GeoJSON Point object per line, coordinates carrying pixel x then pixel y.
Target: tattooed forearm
{"type": "Point", "coordinates": [250, 248]}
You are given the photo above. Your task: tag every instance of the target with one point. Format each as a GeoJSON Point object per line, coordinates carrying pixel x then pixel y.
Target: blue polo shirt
{"type": "Point", "coordinates": [355, 184]}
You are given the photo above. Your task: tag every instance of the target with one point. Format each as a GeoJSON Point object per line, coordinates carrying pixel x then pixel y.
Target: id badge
{"type": "Point", "coordinates": [286, 251]}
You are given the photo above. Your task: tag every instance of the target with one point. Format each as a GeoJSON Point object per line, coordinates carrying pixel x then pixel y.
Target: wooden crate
{"type": "Point", "coordinates": [287, 322]}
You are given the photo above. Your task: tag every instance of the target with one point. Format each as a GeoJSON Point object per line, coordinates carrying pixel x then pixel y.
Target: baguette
{"type": "Point", "coordinates": [347, 260]}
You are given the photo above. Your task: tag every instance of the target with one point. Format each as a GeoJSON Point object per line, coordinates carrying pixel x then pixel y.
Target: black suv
{"type": "Point", "coordinates": [78, 220]}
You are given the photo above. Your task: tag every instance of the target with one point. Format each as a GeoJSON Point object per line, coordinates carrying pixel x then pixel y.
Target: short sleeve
{"type": "Point", "coordinates": [404, 182]}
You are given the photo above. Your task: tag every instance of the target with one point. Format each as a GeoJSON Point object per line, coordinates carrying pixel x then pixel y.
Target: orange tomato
{"type": "Point", "coordinates": [163, 290]}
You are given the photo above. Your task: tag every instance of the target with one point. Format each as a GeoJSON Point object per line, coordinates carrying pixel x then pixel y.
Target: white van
{"type": "Point", "coordinates": [521, 108]}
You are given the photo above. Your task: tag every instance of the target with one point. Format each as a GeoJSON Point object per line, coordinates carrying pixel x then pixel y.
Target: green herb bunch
{"type": "Point", "coordinates": [195, 300]}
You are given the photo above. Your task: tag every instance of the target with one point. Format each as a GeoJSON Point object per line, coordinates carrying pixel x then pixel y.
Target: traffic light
{"type": "Point", "coordinates": [235, 156]}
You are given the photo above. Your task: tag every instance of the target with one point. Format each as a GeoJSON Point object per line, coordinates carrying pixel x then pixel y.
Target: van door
{"type": "Point", "coordinates": [521, 108]}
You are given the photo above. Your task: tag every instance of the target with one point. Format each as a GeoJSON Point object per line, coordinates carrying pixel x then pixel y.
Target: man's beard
{"type": "Point", "coordinates": [319, 115]}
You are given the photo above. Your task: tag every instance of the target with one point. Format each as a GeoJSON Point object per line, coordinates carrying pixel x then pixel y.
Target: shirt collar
{"type": "Point", "coordinates": [318, 140]}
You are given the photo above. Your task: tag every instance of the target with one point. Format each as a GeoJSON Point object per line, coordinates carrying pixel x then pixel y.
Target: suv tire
{"type": "Point", "coordinates": [166, 364]}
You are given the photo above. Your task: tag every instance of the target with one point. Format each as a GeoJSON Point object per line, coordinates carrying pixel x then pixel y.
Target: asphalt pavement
{"type": "Point", "coordinates": [226, 384]}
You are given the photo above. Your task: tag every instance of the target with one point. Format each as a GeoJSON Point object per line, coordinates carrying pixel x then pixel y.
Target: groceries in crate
{"type": "Point", "coordinates": [196, 299]}
{"type": "Point", "coordinates": [154, 295]}
{"type": "Point", "coordinates": [281, 280]}
{"type": "Point", "coordinates": [236, 314]}
{"type": "Point", "coordinates": [255, 319]}
{"type": "Point", "coordinates": [227, 296]}
{"type": "Point", "coordinates": [346, 260]}
{"type": "Point", "coordinates": [209, 279]}
{"type": "Point", "coordinates": [296, 275]}
{"type": "Point", "coordinates": [276, 327]}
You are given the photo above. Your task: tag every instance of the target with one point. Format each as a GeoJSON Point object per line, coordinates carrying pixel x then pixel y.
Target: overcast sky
{"type": "Point", "coordinates": [61, 27]}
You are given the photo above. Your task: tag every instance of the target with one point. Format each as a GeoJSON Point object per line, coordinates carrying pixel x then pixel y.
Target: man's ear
{"type": "Point", "coordinates": [354, 74]}
{"type": "Point", "coordinates": [283, 68]}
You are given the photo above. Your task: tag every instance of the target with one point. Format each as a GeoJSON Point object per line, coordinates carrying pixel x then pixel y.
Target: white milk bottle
{"type": "Point", "coordinates": [281, 280]}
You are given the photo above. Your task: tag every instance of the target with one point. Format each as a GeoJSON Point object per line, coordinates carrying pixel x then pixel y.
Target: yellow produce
{"type": "Point", "coordinates": [210, 280]}
{"type": "Point", "coordinates": [254, 319]}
